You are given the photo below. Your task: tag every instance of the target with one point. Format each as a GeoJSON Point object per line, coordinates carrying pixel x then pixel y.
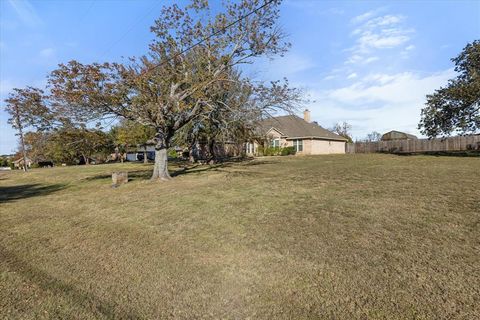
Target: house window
{"type": "Point", "coordinates": [298, 145]}
{"type": "Point", "coordinates": [275, 143]}
{"type": "Point", "coordinates": [250, 148]}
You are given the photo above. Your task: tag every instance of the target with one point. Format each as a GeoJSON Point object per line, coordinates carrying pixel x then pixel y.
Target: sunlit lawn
{"type": "Point", "coordinates": [345, 236]}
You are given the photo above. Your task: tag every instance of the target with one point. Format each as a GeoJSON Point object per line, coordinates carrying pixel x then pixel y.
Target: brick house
{"type": "Point", "coordinates": [308, 138]}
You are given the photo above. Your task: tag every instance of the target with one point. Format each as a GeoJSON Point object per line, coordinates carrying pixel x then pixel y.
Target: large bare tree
{"type": "Point", "coordinates": [193, 52]}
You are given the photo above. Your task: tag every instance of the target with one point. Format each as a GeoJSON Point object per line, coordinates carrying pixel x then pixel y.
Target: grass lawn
{"type": "Point", "coordinates": [341, 236]}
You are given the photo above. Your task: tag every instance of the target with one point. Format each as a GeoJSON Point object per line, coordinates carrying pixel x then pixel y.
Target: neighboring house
{"type": "Point", "coordinates": [138, 153]}
{"type": "Point", "coordinates": [308, 138]}
{"type": "Point", "coordinates": [397, 135]}
{"type": "Point", "coordinates": [20, 163]}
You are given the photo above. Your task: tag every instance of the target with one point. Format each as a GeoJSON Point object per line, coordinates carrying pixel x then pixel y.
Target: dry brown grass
{"type": "Point", "coordinates": [347, 237]}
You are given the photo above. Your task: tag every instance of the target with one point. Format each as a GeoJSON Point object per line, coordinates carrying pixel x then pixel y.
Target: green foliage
{"type": "Point", "coordinates": [172, 153]}
{"type": "Point", "coordinates": [130, 133]}
{"type": "Point", "coordinates": [6, 162]}
{"type": "Point", "coordinates": [68, 145]}
{"type": "Point", "coordinates": [288, 151]}
{"type": "Point", "coordinates": [276, 151]}
{"type": "Point", "coordinates": [269, 151]}
{"type": "Point", "coordinates": [456, 107]}
{"type": "Point", "coordinates": [175, 86]}
{"type": "Point", "coordinates": [27, 108]}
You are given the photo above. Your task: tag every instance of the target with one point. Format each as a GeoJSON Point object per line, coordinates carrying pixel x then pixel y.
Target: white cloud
{"type": "Point", "coordinates": [383, 40]}
{"type": "Point", "coordinates": [289, 65]}
{"type": "Point", "coordinates": [378, 102]}
{"type": "Point", "coordinates": [378, 78]}
{"type": "Point", "coordinates": [383, 21]}
{"type": "Point", "coordinates": [364, 16]}
{"type": "Point", "coordinates": [360, 59]}
{"type": "Point", "coordinates": [370, 59]}
{"type": "Point", "coordinates": [405, 53]}
{"type": "Point", "coordinates": [352, 76]}
{"type": "Point", "coordinates": [397, 88]}
{"type": "Point", "coordinates": [47, 52]}
{"type": "Point", "coordinates": [381, 32]}
{"type": "Point", "coordinates": [26, 12]}
{"type": "Point", "coordinates": [376, 33]}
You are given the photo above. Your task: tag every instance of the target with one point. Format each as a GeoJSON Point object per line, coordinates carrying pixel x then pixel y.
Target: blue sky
{"type": "Point", "coordinates": [369, 63]}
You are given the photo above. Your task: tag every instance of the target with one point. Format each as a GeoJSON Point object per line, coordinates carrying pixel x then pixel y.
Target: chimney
{"type": "Point", "coordinates": [306, 115]}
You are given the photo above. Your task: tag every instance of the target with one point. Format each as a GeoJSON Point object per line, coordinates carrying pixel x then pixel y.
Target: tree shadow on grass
{"type": "Point", "coordinates": [185, 168]}
{"type": "Point", "coordinates": [257, 162]}
{"type": "Point", "coordinates": [441, 153]}
{"type": "Point", "coordinates": [199, 168]}
{"type": "Point", "coordinates": [132, 175]}
{"type": "Point", "coordinates": [12, 193]}
{"type": "Point", "coordinates": [61, 288]}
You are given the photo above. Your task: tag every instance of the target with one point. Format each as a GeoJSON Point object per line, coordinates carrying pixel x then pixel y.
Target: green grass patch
{"type": "Point", "coordinates": [341, 236]}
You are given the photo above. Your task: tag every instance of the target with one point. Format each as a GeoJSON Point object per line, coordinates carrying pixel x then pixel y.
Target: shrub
{"type": "Point", "coordinates": [172, 154]}
{"type": "Point", "coordinates": [272, 151]}
{"type": "Point", "coordinates": [276, 151]}
{"type": "Point", "coordinates": [288, 151]}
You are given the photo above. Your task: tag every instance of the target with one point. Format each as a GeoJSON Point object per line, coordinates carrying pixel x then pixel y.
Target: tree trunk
{"type": "Point", "coordinates": [145, 159]}
{"type": "Point", "coordinates": [160, 168]}
{"type": "Point", "coordinates": [116, 154]}
{"type": "Point", "coordinates": [193, 153]}
{"type": "Point", "coordinates": [211, 151]}
{"type": "Point", "coordinates": [22, 142]}
{"type": "Point", "coordinates": [24, 152]}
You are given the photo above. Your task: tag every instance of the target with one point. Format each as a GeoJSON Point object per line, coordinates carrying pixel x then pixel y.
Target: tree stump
{"type": "Point", "coordinates": [119, 178]}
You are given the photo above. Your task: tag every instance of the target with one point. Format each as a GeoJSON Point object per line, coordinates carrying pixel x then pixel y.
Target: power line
{"type": "Point", "coordinates": [132, 26]}
{"type": "Point", "coordinates": [92, 3]}
{"type": "Point", "coordinates": [212, 35]}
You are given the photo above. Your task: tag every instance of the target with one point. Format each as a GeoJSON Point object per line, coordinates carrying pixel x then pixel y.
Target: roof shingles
{"type": "Point", "coordinates": [294, 127]}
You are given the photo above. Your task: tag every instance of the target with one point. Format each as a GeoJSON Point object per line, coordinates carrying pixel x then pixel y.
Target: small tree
{"type": "Point", "coordinates": [374, 136]}
{"type": "Point", "coordinates": [128, 133]}
{"type": "Point", "coordinates": [456, 107]}
{"type": "Point", "coordinates": [27, 109]}
{"type": "Point", "coordinates": [36, 145]}
{"type": "Point", "coordinates": [343, 129]}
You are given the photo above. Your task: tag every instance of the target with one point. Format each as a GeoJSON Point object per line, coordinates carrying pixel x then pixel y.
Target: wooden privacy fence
{"type": "Point", "coordinates": [461, 143]}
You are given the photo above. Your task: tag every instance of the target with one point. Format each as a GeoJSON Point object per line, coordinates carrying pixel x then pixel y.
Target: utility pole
{"type": "Point", "coordinates": [20, 132]}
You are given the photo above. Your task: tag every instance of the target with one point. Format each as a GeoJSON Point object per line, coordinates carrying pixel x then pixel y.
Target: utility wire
{"type": "Point", "coordinates": [92, 3]}
{"type": "Point", "coordinates": [212, 35]}
{"type": "Point", "coordinates": [132, 26]}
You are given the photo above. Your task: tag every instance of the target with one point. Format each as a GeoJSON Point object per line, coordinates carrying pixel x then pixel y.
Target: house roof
{"type": "Point", "coordinates": [21, 160]}
{"type": "Point", "coordinates": [397, 135]}
{"type": "Point", "coordinates": [295, 127]}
